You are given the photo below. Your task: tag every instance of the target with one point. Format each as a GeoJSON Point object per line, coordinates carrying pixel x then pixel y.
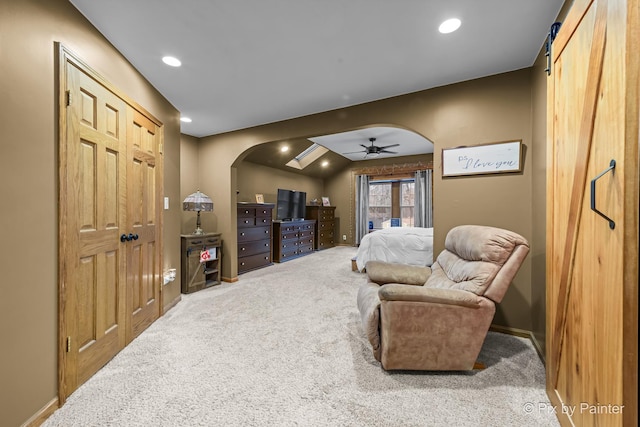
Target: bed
{"type": "Point", "coordinates": [406, 245]}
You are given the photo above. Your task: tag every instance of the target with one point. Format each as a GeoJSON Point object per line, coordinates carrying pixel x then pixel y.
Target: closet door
{"type": "Point", "coordinates": [143, 218]}
{"type": "Point", "coordinates": [592, 264]}
{"type": "Point", "coordinates": [92, 218]}
{"type": "Point", "coordinates": [110, 222]}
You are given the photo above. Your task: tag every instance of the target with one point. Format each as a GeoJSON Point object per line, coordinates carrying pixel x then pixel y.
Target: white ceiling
{"type": "Point", "coordinates": [350, 144]}
{"type": "Point", "coordinates": [251, 62]}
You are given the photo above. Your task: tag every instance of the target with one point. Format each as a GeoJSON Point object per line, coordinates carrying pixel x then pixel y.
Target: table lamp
{"type": "Point", "coordinates": [198, 202]}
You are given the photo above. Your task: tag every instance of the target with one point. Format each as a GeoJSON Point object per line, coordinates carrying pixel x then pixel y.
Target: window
{"type": "Point", "coordinates": [407, 198]}
{"type": "Point", "coordinates": [391, 199]}
{"type": "Point", "coordinates": [380, 206]}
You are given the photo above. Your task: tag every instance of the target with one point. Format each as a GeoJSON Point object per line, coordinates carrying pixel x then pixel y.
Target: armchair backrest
{"type": "Point", "coordinates": [479, 259]}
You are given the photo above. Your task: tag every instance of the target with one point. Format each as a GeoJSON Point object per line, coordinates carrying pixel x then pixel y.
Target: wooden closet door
{"type": "Point", "coordinates": [592, 268]}
{"type": "Point", "coordinates": [92, 203]}
{"type": "Point", "coordinates": [143, 219]}
{"type": "Point", "coordinates": [110, 222]}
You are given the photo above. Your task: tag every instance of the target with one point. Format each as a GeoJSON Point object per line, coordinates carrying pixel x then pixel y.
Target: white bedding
{"type": "Point", "coordinates": [405, 245]}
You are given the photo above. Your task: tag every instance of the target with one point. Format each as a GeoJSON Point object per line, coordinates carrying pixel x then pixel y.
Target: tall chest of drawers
{"type": "Point", "coordinates": [325, 225]}
{"type": "Point", "coordinates": [254, 236]}
{"type": "Point", "coordinates": [293, 239]}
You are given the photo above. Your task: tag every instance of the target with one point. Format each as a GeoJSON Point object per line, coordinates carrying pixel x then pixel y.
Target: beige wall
{"type": "Point", "coordinates": [29, 191]}
{"type": "Point", "coordinates": [258, 179]}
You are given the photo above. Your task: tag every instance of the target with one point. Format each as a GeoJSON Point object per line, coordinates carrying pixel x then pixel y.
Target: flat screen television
{"type": "Point", "coordinates": [291, 205]}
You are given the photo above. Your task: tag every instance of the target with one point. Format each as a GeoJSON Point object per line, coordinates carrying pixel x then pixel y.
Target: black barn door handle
{"type": "Point", "coordinates": [611, 167]}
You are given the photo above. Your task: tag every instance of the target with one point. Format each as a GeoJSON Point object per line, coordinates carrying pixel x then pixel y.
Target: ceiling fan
{"type": "Point", "coordinates": [374, 150]}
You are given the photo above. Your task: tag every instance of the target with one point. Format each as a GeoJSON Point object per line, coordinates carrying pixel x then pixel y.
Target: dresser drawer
{"type": "Point", "coordinates": [245, 212]}
{"type": "Point", "coordinates": [305, 248]}
{"type": "Point", "coordinates": [255, 247]}
{"type": "Point", "coordinates": [255, 233]}
{"type": "Point", "coordinates": [326, 225]}
{"type": "Point", "coordinates": [305, 234]}
{"type": "Point", "coordinates": [200, 243]}
{"type": "Point", "coordinates": [244, 222]}
{"type": "Point", "coordinates": [288, 236]}
{"type": "Point", "coordinates": [253, 261]}
{"type": "Point", "coordinates": [262, 212]}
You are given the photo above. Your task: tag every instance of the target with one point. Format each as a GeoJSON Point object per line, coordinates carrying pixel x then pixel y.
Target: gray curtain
{"type": "Point", "coordinates": [423, 207]}
{"type": "Point", "coordinates": [362, 207]}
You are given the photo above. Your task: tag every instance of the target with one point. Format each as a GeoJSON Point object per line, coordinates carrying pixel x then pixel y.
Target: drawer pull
{"type": "Point", "coordinates": [242, 249]}
{"type": "Point", "coordinates": [242, 263]}
{"type": "Point", "coordinates": [242, 234]}
{"type": "Point", "coordinates": [246, 221]}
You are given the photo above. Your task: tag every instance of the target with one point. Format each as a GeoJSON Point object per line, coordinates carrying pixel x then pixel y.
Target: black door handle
{"type": "Point", "coordinates": [128, 238]}
{"type": "Point", "coordinates": [612, 166]}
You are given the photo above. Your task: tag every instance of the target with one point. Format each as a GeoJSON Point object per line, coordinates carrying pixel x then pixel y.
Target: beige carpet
{"type": "Point", "coordinates": [284, 347]}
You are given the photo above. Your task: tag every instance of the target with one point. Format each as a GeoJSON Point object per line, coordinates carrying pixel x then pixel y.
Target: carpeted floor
{"type": "Point", "coordinates": [283, 346]}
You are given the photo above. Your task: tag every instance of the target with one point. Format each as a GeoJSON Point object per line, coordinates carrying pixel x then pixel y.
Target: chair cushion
{"type": "Point", "coordinates": [472, 257]}
{"type": "Point", "coordinates": [381, 272]}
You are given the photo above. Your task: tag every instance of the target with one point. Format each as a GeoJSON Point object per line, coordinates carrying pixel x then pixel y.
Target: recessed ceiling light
{"type": "Point", "coordinates": [449, 26]}
{"type": "Point", "coordinates": [170, 60]}
{"type": "Point", "coordinates": [185, 119]}
{"type": "Point", "coordinates": [284, 148]}
{"type": "Point", "coordinates": [325, 164]}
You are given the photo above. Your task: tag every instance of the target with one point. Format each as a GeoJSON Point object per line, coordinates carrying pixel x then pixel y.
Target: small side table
{"type": "Point", "coordinates": [198, 275]}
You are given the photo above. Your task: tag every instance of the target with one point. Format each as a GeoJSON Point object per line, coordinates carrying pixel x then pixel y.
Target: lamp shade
{"type": "Point", "coordinates": [197, 202]}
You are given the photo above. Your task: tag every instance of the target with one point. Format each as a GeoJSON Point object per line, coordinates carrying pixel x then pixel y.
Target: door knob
{"type": "Point", "coordinates": [124, 238]}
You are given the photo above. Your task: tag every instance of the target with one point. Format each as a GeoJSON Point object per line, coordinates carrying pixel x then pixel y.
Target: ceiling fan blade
{"type": "Point", "coordinates": [389, 146]}
{"type": "Point", "coordinates": [388, 152]}
{"type": "Point", "coordinates": [355, 152]}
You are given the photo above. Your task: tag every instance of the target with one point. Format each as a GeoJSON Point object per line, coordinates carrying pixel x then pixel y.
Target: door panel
{"type": "Point", "coordinates": [93, 196]}
{"type": "Point", "coordinates": [588, 124]}
{"type": "Point", "coordinates": [143, 275]}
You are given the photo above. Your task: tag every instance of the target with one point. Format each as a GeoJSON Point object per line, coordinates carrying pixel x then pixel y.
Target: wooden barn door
{"type": "Point", "coordinates": [592, 263]}
{"type": "Point", "coordinates": [110, 245]}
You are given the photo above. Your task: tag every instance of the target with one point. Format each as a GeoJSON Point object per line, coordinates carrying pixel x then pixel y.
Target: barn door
{"type": "Point", "coordinates": [110, 187]}
{"type": "Point", "coordinates": [593, 133]}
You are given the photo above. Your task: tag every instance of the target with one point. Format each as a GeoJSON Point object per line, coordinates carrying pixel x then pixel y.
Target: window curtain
{"type": "Point", "coordinates": [362, 207]}
{"type": "Point", "coordinates": [423, 207]}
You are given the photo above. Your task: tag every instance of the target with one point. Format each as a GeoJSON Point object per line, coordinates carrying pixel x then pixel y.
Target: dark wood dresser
{"type": "Point", "coordinates": [325, 225]}
{"type": "Point", "coordinates": [254, 236]}
{"type": "Point", "coordinates": [293, 239]}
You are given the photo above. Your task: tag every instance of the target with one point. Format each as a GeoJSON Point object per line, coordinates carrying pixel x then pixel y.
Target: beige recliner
{"type": "Point", "coordinates": [421, 318]}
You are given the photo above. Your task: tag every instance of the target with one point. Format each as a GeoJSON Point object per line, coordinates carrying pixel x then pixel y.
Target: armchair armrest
{"type": "Point", "coordinates": [400, 292]}
{"type": "Point", "coordinates": [381, 272]}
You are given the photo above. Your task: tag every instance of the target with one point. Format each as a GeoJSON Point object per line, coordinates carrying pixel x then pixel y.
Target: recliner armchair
{"type": "Point", "coordinates": [421, 318]}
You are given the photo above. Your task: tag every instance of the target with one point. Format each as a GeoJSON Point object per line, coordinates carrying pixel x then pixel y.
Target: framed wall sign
{"type": "Point", "coordinates": [501, 157]}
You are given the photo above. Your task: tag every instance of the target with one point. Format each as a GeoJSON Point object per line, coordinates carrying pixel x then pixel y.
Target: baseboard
{"type": "Point", "coordinates": [523, 334]}
{"type": "Point", "coordinates": [230, 279]}
{"type": "Point", "coordinates": [172, 304]}
{"type": "Point", "coordinates": [41, 416]}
